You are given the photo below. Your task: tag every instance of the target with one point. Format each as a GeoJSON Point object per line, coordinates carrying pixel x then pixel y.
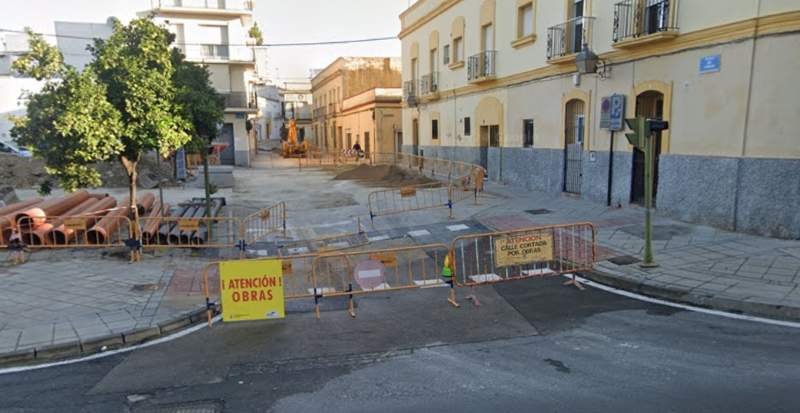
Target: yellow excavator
{"type": "Point", "coordinates": [291, 148]}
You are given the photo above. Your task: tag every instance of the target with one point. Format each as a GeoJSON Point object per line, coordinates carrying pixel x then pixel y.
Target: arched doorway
{"type": "Point", "coordinates": [649, 104]}
{"type": "Point", "coordinates": [574, 141]}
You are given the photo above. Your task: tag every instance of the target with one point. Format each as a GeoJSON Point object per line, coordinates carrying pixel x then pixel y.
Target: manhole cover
{"type": "Point", "coordinates": [624, 260]}
{"type": "Point", "coordinates": [539, 211]}
{"type": "Point", "coordinates": [145, 287]}
{"type": "Point", "coordinates": [211, 406]}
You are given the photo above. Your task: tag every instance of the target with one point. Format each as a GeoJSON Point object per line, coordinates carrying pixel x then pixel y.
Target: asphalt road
{"type": "Point", "coordinates": [531, 346]}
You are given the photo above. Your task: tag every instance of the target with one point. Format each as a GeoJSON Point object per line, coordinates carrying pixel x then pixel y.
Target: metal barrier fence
{"type": "Point", "coordinates": [471, 260]}
{"type": "Point", "coordinates": [198, 232]}
{"type": "Point", "coordinates": [264, 222]}
{"type": "Point", "coordinates": [84, 231]}
{"type": "Point", "coordinates": [524, 253]}
{"type": "Point", "coordinates": [365, 272]}
{"type": "Point", "coordinates": [410, 198]}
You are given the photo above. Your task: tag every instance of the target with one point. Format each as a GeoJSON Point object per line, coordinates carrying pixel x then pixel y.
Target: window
{"type": "Point", "coordinates": [525, 21]}
{"type": "Point", "coordinates": [435, 129]}
{"type": "Point", "coordinates": [487, 37]}
{"type": "Point", "coordinates": [434, 61]}
{"type": "Point", "coordinates": [446, 54]}
{"type": "Point", "coordinates": [467, 127]}
{"type": "Point", "coordinates": [527, 133]}
{"type": "Point", "coordinates": [494, 136]}
{"type": "Point", "coordinates": [458, 50]}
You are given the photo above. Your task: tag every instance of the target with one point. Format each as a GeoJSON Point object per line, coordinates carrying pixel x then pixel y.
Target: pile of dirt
{"type": "Point", "coordinates": [20, 173]}
{"type": "Point", "coordinates": [384, 175]}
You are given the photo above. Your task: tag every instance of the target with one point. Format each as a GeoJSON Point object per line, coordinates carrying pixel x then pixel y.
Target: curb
{"type": "Point", "coordinates": [78, 348]}
{"type": "Point", "coordinates": [683, 296]}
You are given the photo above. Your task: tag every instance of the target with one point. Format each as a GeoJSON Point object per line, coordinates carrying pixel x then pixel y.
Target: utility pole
{"type": "Point", "coordinates": [643, 138]}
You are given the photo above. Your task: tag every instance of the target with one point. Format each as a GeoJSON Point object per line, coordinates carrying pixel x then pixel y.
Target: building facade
{"type": "Point", "coordinates": [298, 105]}
{"type": "Point", "coordinates": [345, 78]}
{"type": "Point", "coordinates": [270, 120]}
{"type": "Point", "coordinates": [215, 33]}
{"type": "Point", "coordinates": [14, 88]}
{"type": "Point", "coordinates": [496, 83]}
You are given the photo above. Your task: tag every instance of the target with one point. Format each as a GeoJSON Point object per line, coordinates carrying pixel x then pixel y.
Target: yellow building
{"type": "Point", "coordinates": [358, 99]}
{"type": "Point", "coordinates": [495, 82]}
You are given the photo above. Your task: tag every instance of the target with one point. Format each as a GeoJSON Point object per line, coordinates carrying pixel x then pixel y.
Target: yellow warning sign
{"type": "Point", "coordinates": [75, 224]}
{"type": "Point", "coordinates": [188, 224]}
{"type": "Point", "coordinates": [523, 249]}
{"type": "Point", "coordinates": [251, 290]}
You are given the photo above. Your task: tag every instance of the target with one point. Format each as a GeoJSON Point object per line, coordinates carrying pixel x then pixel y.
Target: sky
{"type": "Point", "coordinates": [281, 21]}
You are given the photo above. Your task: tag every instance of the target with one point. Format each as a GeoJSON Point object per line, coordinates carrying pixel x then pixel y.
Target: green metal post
{"type": "Point", "coordinates": [649, 161]}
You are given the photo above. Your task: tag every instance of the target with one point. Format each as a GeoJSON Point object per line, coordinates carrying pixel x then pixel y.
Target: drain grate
{"type": "Point", "coordinates": [539, 211]}
{"type": "Point", "coordinates": [624, 260]}
{"type": "Point", "coordinates": [146, 287]}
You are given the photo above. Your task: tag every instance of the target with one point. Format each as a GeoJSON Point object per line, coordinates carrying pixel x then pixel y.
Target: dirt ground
{"type": "Point", "coordinates": [26, 173]}
{"type": "Point", "coordinates": [384, 176]}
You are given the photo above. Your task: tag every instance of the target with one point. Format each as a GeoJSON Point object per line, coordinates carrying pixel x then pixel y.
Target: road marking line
{"type": "Point", "coordinates": [483, 278]}
{"type": "Point", "coordinates": [323, 290]}
{"type": "Point", "coordinates": [455, 228]}
{"type": "Point", "coordinates": [430, 283]}
{"type": "Point", "coordinates": [720, 313]}
{"type": "Point", "coordinates": [382, 286]}
{"type": "Point", "coordinates": [538, 271]}
{"type": "Point", "coordinates": [157, 341]}
{"type": "Point", "coordinates": [378, 238]}
{"type": "Point", "coordinates": [419, 233]}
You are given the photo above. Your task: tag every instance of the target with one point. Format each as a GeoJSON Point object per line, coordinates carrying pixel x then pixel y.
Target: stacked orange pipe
{"type": "Point", "coordinates": [31, 218]}
{"type": "Point", "coordinates": [63, 235]}
{"type": "Point", "coordinates": [99, 233]}
{"type": "Point", "coordinates": [150, 228]}
{"type": "Point", "coordinates": [41, 235]}
{"type": "Point", "coordinates": [7, 215]}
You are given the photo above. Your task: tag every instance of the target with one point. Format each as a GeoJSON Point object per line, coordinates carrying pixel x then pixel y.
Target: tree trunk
{"type": "Point", "coordinates": [131, 167]}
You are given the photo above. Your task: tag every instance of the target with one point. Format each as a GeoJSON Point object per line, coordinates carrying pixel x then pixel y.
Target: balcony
{"type": "Point", "coordinates": [482, 66]}
{"type": "Point", "coordinates": [643, 21]}
{"type": "Point", "coordinates": [217, 7]}
{"type": "Point", "coordinates": [567, 39]}
{"type": "Point", "coordinates": [218, 53]}
{"type": "Point", "coordinates": [239, 100]}
{"type": "Point", "coordinates": [320, 113]}
{"type": "Point", "coordinates": [429, 85]}
{"type": "Point", "coordinates": [410, 92]}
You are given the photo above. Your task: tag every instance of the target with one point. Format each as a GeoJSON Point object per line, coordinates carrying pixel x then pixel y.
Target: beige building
{"type": "Point", "coordinates": [357, 99]}
{"type": "Point", "coordinates": [215, 33]}
{"type": "Point", "coordinates": [495, 82]}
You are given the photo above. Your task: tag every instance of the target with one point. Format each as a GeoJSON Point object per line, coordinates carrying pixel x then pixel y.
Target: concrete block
{"type": "Point", "coordinates": [59, 351]}
{"type": "Point", "coordinates": [174, 325]}
{"type": "Point", "coordinates": [17, 357]}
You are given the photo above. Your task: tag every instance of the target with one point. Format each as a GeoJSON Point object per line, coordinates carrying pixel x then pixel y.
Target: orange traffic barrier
{"type": "Point", "coordinates": [264, 222]}
{"type": "Point", "coordinates": [100, 233]}
{"type": "Point", "coordinates": [150, 226]}
{"type": "Point", "coordinates": [74, 228]}
{"type": "Point", "coordinates": [42, 234]}
{"type": "Point", "coordinates": [194, 231]}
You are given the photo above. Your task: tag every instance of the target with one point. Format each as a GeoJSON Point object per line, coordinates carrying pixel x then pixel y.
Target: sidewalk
{"type": "Point", "coordinates": [698, 265]}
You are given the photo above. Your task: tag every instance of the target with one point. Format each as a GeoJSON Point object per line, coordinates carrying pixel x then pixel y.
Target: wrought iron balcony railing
{"type": "Point", "coordinates": [429, 84]}
{"type": "Point", "coordinates": [239, 100]}
{"type": "Point", "coordinates": [222, 52]}
{"type": "Point", "coordinates": [410, 92]}
{"type": "Point", "coordinates": [482, 66]}
{"type": "Point", "coordinates": [637, 18]}
{"type": "Point", "coordinates": [568, 38]}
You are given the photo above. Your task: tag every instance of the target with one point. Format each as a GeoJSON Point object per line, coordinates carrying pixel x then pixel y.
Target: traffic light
{"type": "Point", "coordinates": [639, 133]}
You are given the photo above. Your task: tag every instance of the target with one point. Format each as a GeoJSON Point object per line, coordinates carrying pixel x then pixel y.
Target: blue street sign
{"type": "Point", "coordinates": [616, 113]}
{"type": "Point", "coordinates": [710, 64]}
{"type": "Point", "coordinates": [180, 164]}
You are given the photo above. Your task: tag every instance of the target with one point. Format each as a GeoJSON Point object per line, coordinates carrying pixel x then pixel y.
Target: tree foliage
{"type": "Point", "coordinates": [255, 34]}
{"type": "Point", "coordinates": [200, 103]}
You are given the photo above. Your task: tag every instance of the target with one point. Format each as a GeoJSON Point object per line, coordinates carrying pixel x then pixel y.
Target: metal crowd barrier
{"type": "Point", "coordinates": [368, 272]}
{"type": "Point", "coordinates": [80, 231]}
{"type": "Point", "coordinates": [524, 253]}
{"type": "Point", "coordinates": [410, 198]}
{"type": "Point", "coordinates": [264, 222]}
{"type": "Point", "coordinates": [198, 232]}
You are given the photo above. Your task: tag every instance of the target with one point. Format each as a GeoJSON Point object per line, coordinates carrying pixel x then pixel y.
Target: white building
{"type": "Point", "coordinates": [13, 88]}
{"type": "Point", "coordinates": [215, 33]}
{"type": "Point", "coordinates": [270, 121]}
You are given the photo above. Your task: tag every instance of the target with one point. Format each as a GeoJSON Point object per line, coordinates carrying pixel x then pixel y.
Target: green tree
{"type": "Point", "coordinates": [202, 106]}
{"type": "Point", "coordinates": [255, 34]}
{"type": "Point", "coordinates": [69, 124]}
{"type": "Point", "coordinates": [121, 106]}
{"type": "Point", "coordinates": [135, 65]}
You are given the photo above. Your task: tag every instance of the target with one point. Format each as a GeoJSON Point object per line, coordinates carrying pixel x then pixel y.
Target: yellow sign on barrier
{"type": "Point", "coordinates": [523, 249]}
{"type": "Point", "coordinates": [188, 224]}
{"type": "Point", "coordinates": [75, 224]}
{"type": "Point", "coordinates": [251, 290]}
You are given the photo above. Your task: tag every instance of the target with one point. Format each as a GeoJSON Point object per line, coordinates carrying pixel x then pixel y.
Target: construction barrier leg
{"type": "Point", "coordinates": [350, 306]}
{"type": "Point", "coordinates": [317, 296]}
{"type": "Point", "coordinates": [474, 297]}
{"type": "Point", "coordinates": [574, 281]}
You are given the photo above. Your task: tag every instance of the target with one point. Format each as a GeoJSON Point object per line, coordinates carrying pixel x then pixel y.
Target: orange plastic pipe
{"type": "Point", "coordinates": [43, 234]}
{"type": "Point", "coordinates": [100, 231]}
{"type": "Point", "coordinates": [7, 215]}
{"type": "Point", "coordinates": [62, 234]}
{"type": "Point", "coordinates": [153, 222]}
{"type": "Point", "coordinates": [146, 203]}
{"type": "Point", "coordinates": [33, 217]}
